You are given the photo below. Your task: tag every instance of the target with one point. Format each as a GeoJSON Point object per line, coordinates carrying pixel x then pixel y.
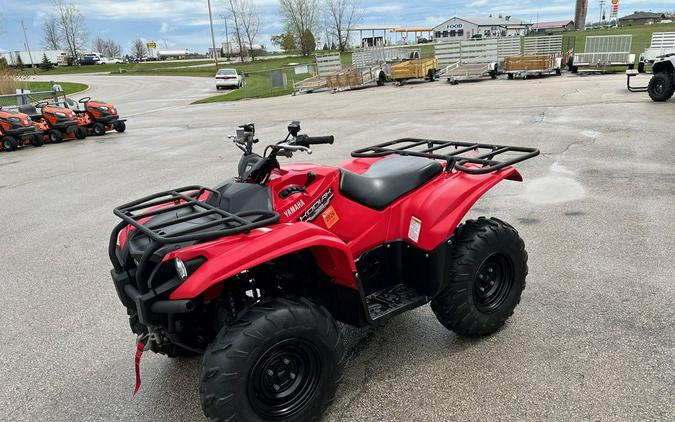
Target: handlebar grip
{"type": "Point", "coordinates": [316, 140]}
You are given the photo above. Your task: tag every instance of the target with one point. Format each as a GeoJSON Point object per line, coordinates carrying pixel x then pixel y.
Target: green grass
{"type": "Point", "coordinates": [68, 87]}
{"type": "Point", "coordinates": [258, 85]}
{"type": "Point", "coordinates": [108, 68]}
{"type": "Point", "coordinates": [642, 35]}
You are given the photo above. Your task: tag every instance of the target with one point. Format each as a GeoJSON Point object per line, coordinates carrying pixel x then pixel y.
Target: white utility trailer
{"type": "Point", "coordinates": [474, 59]}
{"type": "Point", "coordinates": [541, 56]}
{"type": "Point", "coordinates": [326, 65]}
{"type": "Point", "coordinates": [603, 51]}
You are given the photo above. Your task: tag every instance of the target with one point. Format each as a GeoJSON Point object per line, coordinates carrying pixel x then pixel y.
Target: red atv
{"type": "Point", "coordinates": [16, 130]}
{"type": "Point", "coordinates": [255, 272]}
{"type": "Point", "coordinates": [96, 116]}
{"type": "Point", "coordinates": [56, 123]}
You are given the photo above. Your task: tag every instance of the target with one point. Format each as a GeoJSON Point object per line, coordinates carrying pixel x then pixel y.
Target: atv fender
{"type": "Point", "coordinates": [452, 200]}
{"type": "Point", "coordinates": [231, 255]}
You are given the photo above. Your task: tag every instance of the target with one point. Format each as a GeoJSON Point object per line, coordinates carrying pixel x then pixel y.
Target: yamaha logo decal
{"type": "Point", "coordinates": [315, 210]}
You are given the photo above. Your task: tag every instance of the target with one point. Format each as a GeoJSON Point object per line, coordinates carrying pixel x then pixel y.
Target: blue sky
{"type": "Point", "coordinates": [184, 23]}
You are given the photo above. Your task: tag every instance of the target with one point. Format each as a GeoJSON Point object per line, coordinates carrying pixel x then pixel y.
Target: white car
{"type": "Point", "coordinates": [228, 78]}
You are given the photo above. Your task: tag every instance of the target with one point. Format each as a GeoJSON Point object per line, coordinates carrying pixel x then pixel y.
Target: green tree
{"type": "Point", "coordinates": [46, 64]}
{"type": "Point", "coordinates": [307, 42]}
{"type": "Point", "coordinates": [285, 41]}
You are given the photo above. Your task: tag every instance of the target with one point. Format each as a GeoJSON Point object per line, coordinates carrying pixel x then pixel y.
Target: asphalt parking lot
{"type": "Point", "coordinates": [593, 338]}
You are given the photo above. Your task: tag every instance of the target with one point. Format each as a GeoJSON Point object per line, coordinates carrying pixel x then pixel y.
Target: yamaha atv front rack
{"type": "Point", "coordinates": [452, 153]}
{"type": "Point", "coordinates": [178, 216]}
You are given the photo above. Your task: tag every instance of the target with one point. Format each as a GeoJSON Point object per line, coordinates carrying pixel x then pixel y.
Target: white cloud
{"type": "Point", "coordinates": [164, 28]}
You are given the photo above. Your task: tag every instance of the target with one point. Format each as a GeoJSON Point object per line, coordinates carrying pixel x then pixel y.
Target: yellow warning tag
{"type": "Point", "coordinates": [330, 217]}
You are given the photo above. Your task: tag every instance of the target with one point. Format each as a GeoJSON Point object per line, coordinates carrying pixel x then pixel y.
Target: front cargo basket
{"type": "Point", "coordinates": [482, 158]}
{"type": "Point", "coordinates": [181, 215]}
{"type": "Point", "coordinates": [207, 221]}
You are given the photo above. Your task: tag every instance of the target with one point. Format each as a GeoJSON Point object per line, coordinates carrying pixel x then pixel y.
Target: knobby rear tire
{"type": "Point", "coordinates": [480, 248]}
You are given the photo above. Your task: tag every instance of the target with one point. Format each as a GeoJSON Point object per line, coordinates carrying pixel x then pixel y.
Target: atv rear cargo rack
{"type": "Point", "coordinates": [433, 149]}
{"type": "Point", "coordinates": [206, 222]}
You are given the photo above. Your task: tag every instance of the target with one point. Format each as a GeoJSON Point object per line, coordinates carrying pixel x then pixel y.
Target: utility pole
{"type": "Point", "coordinates": [227, 38]}
{"type": "Point", "coordinates": [213, 37]}
{"type": "Point", "coordinates": [602, 11]}
{"type": "Point", "coordinates": [30, 55]}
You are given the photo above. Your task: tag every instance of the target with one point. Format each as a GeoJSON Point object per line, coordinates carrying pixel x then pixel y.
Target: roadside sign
{"type": "Point", "coordinates": [151, 45]}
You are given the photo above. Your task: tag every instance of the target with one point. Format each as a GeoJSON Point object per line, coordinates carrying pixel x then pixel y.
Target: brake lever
{"type": "Point", "coordinates": [294, 148]}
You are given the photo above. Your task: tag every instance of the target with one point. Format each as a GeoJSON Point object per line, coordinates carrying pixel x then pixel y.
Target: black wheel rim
{"type": "Point", "coordinates": [284, 379]}
{"type": "Point", "coordinates": [658, 87]}
{"type": "Point", "coordinates": [493, 283]}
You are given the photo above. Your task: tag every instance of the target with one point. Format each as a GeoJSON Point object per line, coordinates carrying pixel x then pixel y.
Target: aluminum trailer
{"type": "Point", "coordinates": [326, 65]}
{"type": "Point", "coordinates": [414, 69]}
{"type": "Point", "coordinates": [474, 59]}
{"type": "Point", "coordinates": [458, 72]}
{"type": "Point", "coordinates": [603, 51]}
{"type": "Point", "coordinates": [535, 65]}
{"type": "Point", "coordinates": [358, 77]}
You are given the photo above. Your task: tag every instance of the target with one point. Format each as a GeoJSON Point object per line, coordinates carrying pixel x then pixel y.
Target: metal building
{"type": "Point", "coordinates": [457, 28]}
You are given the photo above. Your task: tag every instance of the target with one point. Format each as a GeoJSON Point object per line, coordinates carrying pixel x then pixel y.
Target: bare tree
{"type": "Point", "coordinates": [235, 9]}
{"type": "Point", "coordinates": [51, 36]}
{"type": "Point", "coordinates": [108, 48]}
{"type": "Point", "coordinates": [113, 49]}
{"type": "Point", "coordinates": [98, 45]}
{"type": "Point", "coordinates": [250, 21]}
{"type": "Point", "coordinates": [301, 17]}
{"type": "Point", "coordinates": [138, 49]}
{"type": "Point", "coordinates": [70, 23]}
{"type": "Point", "coordinates": [341, 16]}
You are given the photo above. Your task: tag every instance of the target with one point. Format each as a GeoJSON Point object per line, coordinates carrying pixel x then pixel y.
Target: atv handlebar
{"type": "Point", "coordinates": [314, 140]}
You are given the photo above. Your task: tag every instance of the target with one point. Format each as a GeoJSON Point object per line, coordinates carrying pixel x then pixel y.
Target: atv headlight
{"type": "Point", "coordinates": [181, 269]}
{"type": "Point", "coordinates": [103, 108]}
{"type": "Point", "coordinates": [59, 114]}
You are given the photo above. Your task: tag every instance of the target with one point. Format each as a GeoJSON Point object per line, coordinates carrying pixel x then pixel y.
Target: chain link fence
{"type": "Point", "coordinates": [274, 82]}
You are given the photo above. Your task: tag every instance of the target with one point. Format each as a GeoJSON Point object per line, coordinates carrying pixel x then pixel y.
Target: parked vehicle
{"type": "Point", "coordinates": [662, 85]}
{"type": "Point", "coordinates": [255, 272]}
{"type": "Point", "coordinates": [90, 58]}
{"type": "Point", "coordinates": [17, 130]}
{"type": "Point", "coordinates": [228, 78]}
{"type": "Point", "coordinates": [97, 117]}
{"type": "Point", "coordinates": [54, 122]}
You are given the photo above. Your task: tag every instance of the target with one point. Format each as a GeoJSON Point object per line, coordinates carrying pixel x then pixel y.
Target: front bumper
{"type": "Point", "coordinates": [153, 306]}
{"type": "Point", "coordinates": [23, 132]}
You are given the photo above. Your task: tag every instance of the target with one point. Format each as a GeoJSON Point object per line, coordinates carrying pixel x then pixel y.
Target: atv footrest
{"type": "Point", "coordinates": [393, 300]}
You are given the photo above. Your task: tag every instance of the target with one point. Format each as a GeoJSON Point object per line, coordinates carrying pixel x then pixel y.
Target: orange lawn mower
{"type": "Point", "coordinates": [56, 123]}
{"type": "Point", "coordinates": [98, 117]}
{"type": "Point", "coordinates": [17, 130]}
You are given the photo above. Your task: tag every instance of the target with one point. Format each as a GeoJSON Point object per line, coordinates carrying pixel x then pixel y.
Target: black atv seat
{"type": "Point", "coordinates": [31, 111]}
{"type": "Point", "coordinates": [387, 180]}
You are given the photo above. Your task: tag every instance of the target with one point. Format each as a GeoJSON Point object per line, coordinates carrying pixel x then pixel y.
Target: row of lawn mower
{"type": "Point", "coordinates": [57, 121]}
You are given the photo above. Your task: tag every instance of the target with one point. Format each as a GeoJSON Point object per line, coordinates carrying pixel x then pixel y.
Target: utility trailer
{"type": "Point", "coordinates": [601, 52]}
{"type": "Point", "coordinates": [539, 65]}
{"type": "Point", "coordinates": [457, 72]}
{"type": "Point", "coordinates": [662, 44]}
{"type": "Point", "coordinates": [414, 69]}
{"type": "Point", "coordinates": [474, 59]}
{"type": "Point", "coordinates": [358, 77]}
{"type": "Point", "coordinates": [327, 64]}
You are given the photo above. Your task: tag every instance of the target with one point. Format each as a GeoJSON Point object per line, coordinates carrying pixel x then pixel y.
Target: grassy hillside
{"type": "Point", "coordinates": [642, 35]}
